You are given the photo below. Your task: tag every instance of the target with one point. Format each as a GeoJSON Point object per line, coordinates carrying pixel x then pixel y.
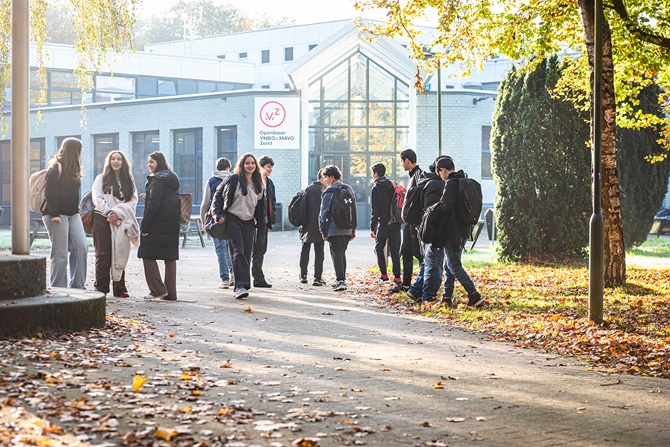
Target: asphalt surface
{"type": "Point", "coordinates": [351, 373]}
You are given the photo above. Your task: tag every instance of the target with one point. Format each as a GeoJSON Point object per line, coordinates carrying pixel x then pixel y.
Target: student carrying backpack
{"type": "Point", "coordinates": [37, 185]}
{"type": "Point", "coordinates": [412, 210]}
{"type": "Point", "coordinates": [343, 208]}
{"type": "Point", "coordinates": [397, 202]}
{"type": "Point", "coordinates": [297, 209]}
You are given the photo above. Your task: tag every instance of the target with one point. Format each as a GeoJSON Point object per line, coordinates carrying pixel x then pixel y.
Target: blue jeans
{"type": "Point", "coordinates": [432, 276]}
{"type": "Point", "coordinates": [68, 241]}
{"type": "Point", "coordinates": [417, 287]}
{"type": "Point", "coordinates": [454, 270]}
{"type": "Point", "coordinates": [225, 266]}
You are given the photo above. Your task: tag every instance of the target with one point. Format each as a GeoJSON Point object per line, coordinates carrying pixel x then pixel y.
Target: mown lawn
{"type": "Point", "coordinates": [547, 307]}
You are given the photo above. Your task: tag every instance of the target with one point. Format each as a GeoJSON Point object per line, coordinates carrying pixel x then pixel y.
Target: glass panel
{"type": "Point", "coordinates": [108, 96]}
{"type": "Point", "coordinates": [382, 140]}
{"type": "Point", "coordinates": [359, 114]}
{"type": "Point", "coordinates": [7, 193]}
{"type": "Point", "coordinates": [315, 91]}
{"type": "Point", "coordinates": [62, 98]}
{"type": "Point", "coordinates": [115, 84]}
{"type": "Point", "coordinates": [147, 86]}
{"type": "Point", "coordinates": [206, 87]}
{"type": "Point", "coordinates": [61, 79]}
{"type": "Point", "coordinates": [358, 177]}
{"type": "Point", "coordinates": [166, 87]}
{"type": "Point", "coordinates": [402, 109]}
{"type": "Point", "coordinates": [359, 140]}
{"type": "Point", "coordinates": [335, 140]}
{"type": "Point", "coordinates": [187, 86]}
{"type": "Point", "coordinates": [36, 154]}
{"type": "Point", "coordinates": [381, 114]}
{"type": "Point", "coordinates": [486, 165]}
{"type": "Point", "coordinates": [102, 145]}
{"type": "Point", "coordinates": [6, 149]}
{"type": "Point", "coordinates": [314, 113]}
{"type": "Point", "coordinates": [335, 114]}
{"type": "Point", "coordinates": [382, 84]}
{"type": "Point", "coordinates": [387, 160]}
{"type": "Point", "coordinates": [144, 143]}
{"type": "Point", "coordinates": [227, 143]}
{"type": "Point", "coordinates": [36, 98]}
{"type": "Point", "coordinates": [402, 139]}
{"type": "Point", "coordinates": [402, 91]}
{"type": "Point", "coordinates": [313, 138]}
{"type": "Point", "coordinates": [359, 78]}
{"type": "Point", "coordinates": [336, 83]}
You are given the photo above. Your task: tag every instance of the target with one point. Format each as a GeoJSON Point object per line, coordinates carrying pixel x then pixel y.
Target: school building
{"type": "Point", "coordinates": [306, 95]}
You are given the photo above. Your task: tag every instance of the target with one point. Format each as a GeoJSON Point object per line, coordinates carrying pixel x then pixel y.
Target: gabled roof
{"type": "Point", "coordinates": [388, 54]}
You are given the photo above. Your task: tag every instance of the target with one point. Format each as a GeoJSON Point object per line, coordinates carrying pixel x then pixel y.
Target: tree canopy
{"type": "Point", "coordinates": [636, 42]}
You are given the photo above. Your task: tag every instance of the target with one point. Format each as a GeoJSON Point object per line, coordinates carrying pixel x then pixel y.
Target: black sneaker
{"type": "Point", "coordinates": [446, 301]}
{"type": "Point", "coordinates": [318, 282]}
{"type": "Point", "coordinates": [429, 299]}
{"type": "Point", "coordinates": [475, 300]}
{"type": "Point", "coordinates": [262, 285]}
{"type": "Point", "coordinates": [413, 297]}
{"type": "Point", "coordinates": [398, 287]}
{"type": "Point", "coordinates": [303, 279]}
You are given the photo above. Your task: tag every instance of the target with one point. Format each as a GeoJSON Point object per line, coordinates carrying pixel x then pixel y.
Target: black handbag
{"type": "Point", "coordinates": [214, 229]}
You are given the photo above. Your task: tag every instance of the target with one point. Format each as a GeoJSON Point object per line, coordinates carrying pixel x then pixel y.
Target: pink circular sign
{"type": "Point", "coordinates": [273, 114]}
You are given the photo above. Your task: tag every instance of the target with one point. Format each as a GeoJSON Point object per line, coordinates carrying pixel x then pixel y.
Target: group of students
{"type": "Point", "coordinates": [244, 201]}
{"type": "Point", "coordinates": [436, 260]}
{"type": "Point", "coordinates": [115, 227]}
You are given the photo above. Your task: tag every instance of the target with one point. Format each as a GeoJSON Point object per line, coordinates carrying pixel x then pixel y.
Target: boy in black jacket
{"type": "Point", "coordinates": [381, 228]}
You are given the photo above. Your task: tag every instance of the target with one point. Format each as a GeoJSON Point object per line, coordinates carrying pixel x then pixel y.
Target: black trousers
{"type": "Point", "coordinates": [338, 253]}
{"type": "Point", "coordinates": [411, 248]}
{"type": "Point", "coordinates": [240, 245]}
{"type": "Point", "coordinates": [102, 239]}
{"type": "Point", "coordinates": [260, 248]}
{"type": "Point", "coordinates": [318, 259]}
{"type": "Point", "coordinates": [388, 234]}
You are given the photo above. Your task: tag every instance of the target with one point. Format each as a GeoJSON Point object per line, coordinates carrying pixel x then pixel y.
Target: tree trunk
{"type": "Point", "coordinates": [615, 255]}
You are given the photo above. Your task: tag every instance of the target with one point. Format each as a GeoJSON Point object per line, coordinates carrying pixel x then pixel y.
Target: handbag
{"type": "Point", "coordinates": [215, 229]}
{"type": "Point", "coordinates": [185, 204]}
{"type": "Point", "coordinates": [86, 212]}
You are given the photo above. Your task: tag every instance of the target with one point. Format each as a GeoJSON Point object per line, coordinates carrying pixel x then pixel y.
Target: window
{"type": "Point", "coordinates": [5, 172]}
{"type": "Point", "coordinates": [226, 143]}
{"type": "Point", "coordinates": [167, 87]}
{"type": "Point", "coordinates": [64, 89]}
{"type": "Point", "coordinates": [312, 46]}
{"type": "Point", "coordinates": [206, 87]}
{"type": "Point", "coordinates": [102, 145]}
{"type": "Point", "coordinates": [242, 55]}
{"type": "Point", "coordinates": [188, 161]}
{"type": "Point", "coordinates": [266, 86]}
{"type": "Point", "coordinates": [288, 54]}
{"type": "Point", "coordinates": [221, 56]}
{"type": "Point", "coordinates": [114, 88]}
{"type": "Point", "coordinates": [265, 56]}
{"type": "Point", "coordinates": [187, 87]}
{"type": "Point", "coordinates": [287, 86]}
{"type": "Point", "coordinates": [486, 153]}
{"type": "Point", "coordinates": [144, 143]}
{"type": "Point", "coordinates": [147, 87]}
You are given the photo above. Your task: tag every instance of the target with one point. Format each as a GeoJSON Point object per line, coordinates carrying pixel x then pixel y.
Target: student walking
{"type": "Point", "coordinates": [310, 234]}
{"type": "Point", "coordinates": [220, 245]}
{"type": "Point", "coordinates": [261, 241]}
{"type": "Point", "coordinates": [410, 247]}
{"type": "Point", "coordinates": [337, 221]}
{"type": "Point", "coordinates": [61, 216]}
{"type": "Point", "coordinates": [457, 235]}
{"type": "Point", "coordinates": [160, 228]}
{"type": "Point", "coordinates": [239, 203]}
{"type": "Point", "coordinates": [381, 228]}
{"type": "Point", "coordinates": [115, 226]}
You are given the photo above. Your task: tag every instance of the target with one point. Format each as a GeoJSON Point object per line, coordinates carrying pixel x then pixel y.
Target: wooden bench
{"type": "Point", "coordinates": [39, 230]}
{"type": "Point", "coordinates": [660, 226]}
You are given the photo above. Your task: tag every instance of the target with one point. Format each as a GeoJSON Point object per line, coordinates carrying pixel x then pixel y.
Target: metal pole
{"type": "Point", "coordinates": [439, 107]}
{"type": "Point", "coordinates": [597, 226]}
{"type": "Point", "coordinates": [20, 130]}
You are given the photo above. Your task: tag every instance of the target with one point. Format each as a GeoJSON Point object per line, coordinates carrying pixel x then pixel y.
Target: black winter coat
{"type": "Point", "coordinates": [380, 203]}
{"type": "Point", "coordinates": [271, 200]}
{"type": "Point", "coordinates": [162, 216]}
{"type": "Point", "coordinates": [309, 233]}
{"type": "Point", "coordinates": [432, 191]}
{"type": "Point", "coordinates": [456, 234]}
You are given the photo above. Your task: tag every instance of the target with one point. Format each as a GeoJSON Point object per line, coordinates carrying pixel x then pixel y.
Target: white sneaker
{"type": "Point", "coordinates": [381, 281]}
{"type": "Point", "coordinates": [224, 285]}
{"type": "Point", "coordinates": [341, 285]}
{"type": "Point", "coordinates": [157, 297]}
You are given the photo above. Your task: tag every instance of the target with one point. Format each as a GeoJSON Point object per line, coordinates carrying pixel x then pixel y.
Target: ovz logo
{"type": "Point", "coordinates": [273, 114]}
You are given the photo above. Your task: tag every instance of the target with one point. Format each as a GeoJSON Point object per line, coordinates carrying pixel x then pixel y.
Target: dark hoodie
{"type": "Point", "coordinates": [380, 200]}
{"type": "Point", "coordinates": [162, 215]}
{"type": "Point", "coordinates": [454, 234]}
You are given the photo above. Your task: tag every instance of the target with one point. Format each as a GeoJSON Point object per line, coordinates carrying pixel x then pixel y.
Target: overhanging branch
{"type": "Point", "coordinates": [634, 27]}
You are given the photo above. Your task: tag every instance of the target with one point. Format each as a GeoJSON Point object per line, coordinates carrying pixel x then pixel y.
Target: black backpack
{"type": "Point", "coordinates": [297, 209]}
{"type": "Point", "coordinates": [412, 209]}
{"type": "Point", "coordinates": [343, 208]}
{"type": "Point", "coordinates": [469, 201]}
{"type": "Point", "coordinates": [431, 228]}
{"type": "Point", "coordinates": [397, 201]}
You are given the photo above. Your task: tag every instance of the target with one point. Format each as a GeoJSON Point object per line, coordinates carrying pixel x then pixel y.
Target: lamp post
{"type": "Point", "coordinates": [439, 107]}
{"type": "Point", "coordinates": [596, 225]}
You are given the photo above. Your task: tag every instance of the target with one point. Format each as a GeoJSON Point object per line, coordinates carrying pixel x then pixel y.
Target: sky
{"type": "Point", "coordinates": [304, 11]}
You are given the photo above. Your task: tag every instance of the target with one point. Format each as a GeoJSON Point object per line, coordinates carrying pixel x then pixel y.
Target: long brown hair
{"type": "Point", "coordinates": [125, 177]}
{"type": "Point", "coordinates": [69, 157]}
{"type": "Point", "coordinates": [256, 177]}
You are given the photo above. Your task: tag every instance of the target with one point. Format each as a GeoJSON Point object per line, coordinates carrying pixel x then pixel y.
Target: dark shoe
{"type": "Point", "coordinates": [303, 279]}
{"type": "Point", "coordinates": [241, 293]}
{"type": "Point", "coordinates": [411, 295]}
{"type": "Point", "coordinates": [446, 301]}
{"type": "Point", "coordinates": [340, 286]}
{"type": "Point", "coordinates": [122, 295]}
{"type": "Point", "coordinates": [429, 299]}
{"type": "Point", "coordinates": [475, 300]}
{"type": "Point", "coordinates": [263, 285]}
{"type": "Point", "coordinates": [167, 298]}
{"type": "Point", "coordinates": [399, 287]}
{"type": "Point", "coordinates": [381, 281]}
{"type": "Point", "coordinates": [319, 282]}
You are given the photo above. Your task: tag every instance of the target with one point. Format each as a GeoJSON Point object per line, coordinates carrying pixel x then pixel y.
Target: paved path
{"type": "Point", "coordinates": [351, 373]}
